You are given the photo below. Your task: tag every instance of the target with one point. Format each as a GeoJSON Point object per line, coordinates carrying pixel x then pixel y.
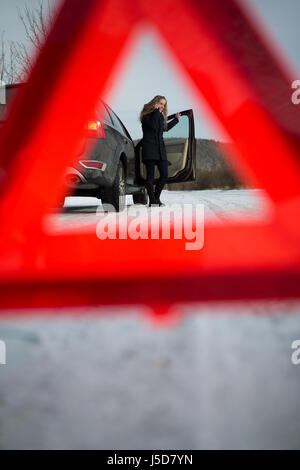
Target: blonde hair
{"type": "Point", "coordinates": [150, 106]}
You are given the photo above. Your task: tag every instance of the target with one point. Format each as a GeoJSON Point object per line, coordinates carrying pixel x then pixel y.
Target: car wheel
{"type": "Point", "coordinates": [141, 197]}
{"type": "Point", "coordinates": [116, 194]}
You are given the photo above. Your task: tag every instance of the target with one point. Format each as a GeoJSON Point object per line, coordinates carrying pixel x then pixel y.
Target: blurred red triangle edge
{"type": "Point", "coordinates": [229, 61]}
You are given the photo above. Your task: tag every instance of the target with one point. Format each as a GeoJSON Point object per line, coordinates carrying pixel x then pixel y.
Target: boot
{"type": "Point", "coordinates": [152, 200]}
{"type": "Point", "coordinates": [158, 189]}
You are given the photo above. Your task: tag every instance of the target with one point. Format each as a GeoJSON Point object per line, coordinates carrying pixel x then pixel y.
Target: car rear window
{"type": "Point", "coordinates": [102, 110]}
{"type": "Point", "coordinates": [118, 124]}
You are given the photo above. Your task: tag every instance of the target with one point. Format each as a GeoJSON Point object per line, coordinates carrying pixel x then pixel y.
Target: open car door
{"type": "Point", "coordinates": [181, 151]}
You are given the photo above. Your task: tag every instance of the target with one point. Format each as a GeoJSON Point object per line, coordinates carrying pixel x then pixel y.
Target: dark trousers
{"type": "Point", "coordinates": [162, 167]}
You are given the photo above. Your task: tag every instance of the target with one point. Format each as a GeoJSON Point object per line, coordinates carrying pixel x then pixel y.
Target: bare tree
{"type": "Point", "coordinates": [2, 58]}
{"type": "Point", "coordinates": [17, 58]}
{"type": "Point", "coordinates": [7, 67]}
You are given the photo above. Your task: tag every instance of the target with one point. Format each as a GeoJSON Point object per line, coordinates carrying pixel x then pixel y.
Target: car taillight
{"type": "Point", "coordinates": [93, 164]}
{"type": "Point", "coordinates": [95, 129]}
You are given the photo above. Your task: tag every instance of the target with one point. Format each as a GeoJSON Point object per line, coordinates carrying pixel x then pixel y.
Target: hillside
{"type": "Point", "coordinates": [213, 171]}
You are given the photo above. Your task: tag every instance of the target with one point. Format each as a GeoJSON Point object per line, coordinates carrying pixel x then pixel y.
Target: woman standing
{"type": "Point", "coordinates": [154, 122]}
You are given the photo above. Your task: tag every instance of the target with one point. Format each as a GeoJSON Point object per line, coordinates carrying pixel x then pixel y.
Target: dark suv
{"type": "Point", "coordinates": [109, 162]}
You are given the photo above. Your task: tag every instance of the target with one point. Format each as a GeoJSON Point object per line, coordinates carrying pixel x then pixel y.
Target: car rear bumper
{"type": "Point", "coordinates": [84, 177]}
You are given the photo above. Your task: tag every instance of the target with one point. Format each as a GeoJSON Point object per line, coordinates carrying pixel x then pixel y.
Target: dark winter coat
{"type": "Point", "coordinates": [153, 146]}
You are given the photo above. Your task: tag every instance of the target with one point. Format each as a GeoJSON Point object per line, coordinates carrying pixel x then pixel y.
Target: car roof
{"type": "Point", "coordinates": [17, 85]}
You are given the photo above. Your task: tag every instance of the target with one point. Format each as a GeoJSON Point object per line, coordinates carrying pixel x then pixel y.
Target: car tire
{"type": "Point", "coordinates": [116, 194]}
{"type": "Point", "coordinates": [141, 197]}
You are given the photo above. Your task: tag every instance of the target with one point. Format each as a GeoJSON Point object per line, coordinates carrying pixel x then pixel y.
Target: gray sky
{"type": "Point", "coordinates": [148, 73]}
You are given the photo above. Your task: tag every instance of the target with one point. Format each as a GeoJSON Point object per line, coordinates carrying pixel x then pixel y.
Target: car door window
{"type": "Point", "coordinates": [177, 141]}
{"type": "Point", "coordinates": [180, 131]}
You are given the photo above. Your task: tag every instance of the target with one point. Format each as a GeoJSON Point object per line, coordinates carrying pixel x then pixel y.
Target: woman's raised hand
{"type": "Point", "coordinates": [177, 115]}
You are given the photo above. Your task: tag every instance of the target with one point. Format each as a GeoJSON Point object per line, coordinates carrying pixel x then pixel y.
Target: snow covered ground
{"type": "Point", "coordinates": [219, 206]}
{"type": "Point", "coordinates": [110, 379]}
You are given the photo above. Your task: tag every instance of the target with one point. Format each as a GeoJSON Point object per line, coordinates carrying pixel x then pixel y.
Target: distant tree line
{"type": "Point", "coordinates": [213, 170]}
